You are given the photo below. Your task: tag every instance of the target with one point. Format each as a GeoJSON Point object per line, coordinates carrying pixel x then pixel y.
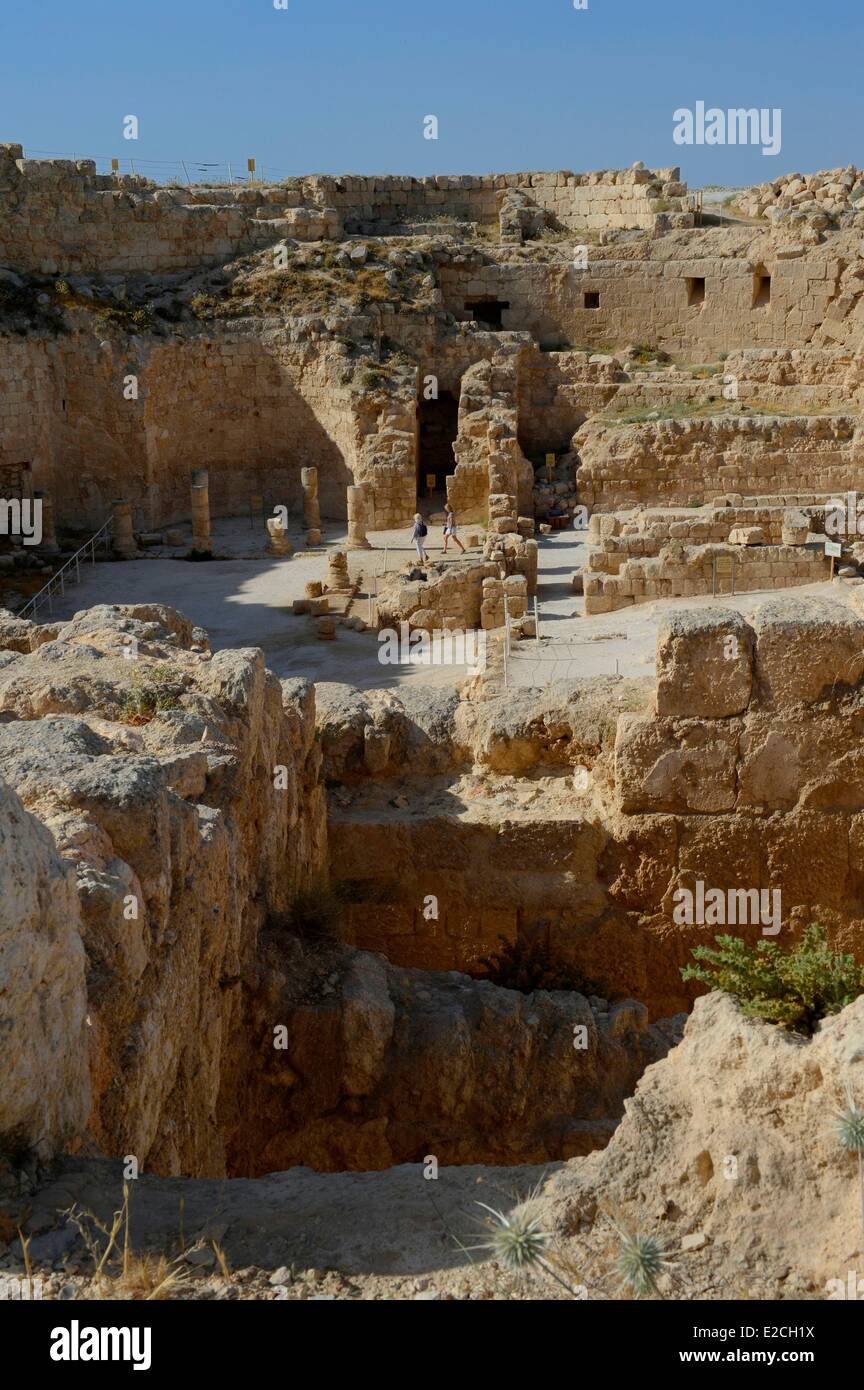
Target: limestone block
{"type": "Point", "coordinates": [704, 663]}
{"type": "Point", "coordinates": [425, 618]}
{"type": "Point", "coordinates": [675, 765]}
{"type": "Point", "coordinates": [795, 528]}
{"type": "Point", "coordinates": [806, 650]}
{"type": "Point", "coordinates": [747, 535]}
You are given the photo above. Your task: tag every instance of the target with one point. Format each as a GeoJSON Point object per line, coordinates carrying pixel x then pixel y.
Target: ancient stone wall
{"type": "Point", "coordinates": [252, 410]}
{"type": "Point", "coordinates": [616, 301]}
{"type": "Point", "coordinates": [61, 216]}
{"type": "Point", "coordinates": [492, 478]}
{"type": "Point", "coordinates": [646, 554]}
{"type": "Point", "coordinates": [683, 571]}
{"type": "Point", "coordinates": [613, 198]}
{"type": "Point", "coordinates": [738, 770]}
{"type": "Point", "coordinates": [690, 461]}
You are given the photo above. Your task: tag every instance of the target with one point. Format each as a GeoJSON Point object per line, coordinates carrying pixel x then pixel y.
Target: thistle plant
{"type": "Point", "coordinates": [640, 1262]}
{"type": "Point", "coordinates": [519, 1243]}
{"type": "Point", "coordinates": [850, 1132]}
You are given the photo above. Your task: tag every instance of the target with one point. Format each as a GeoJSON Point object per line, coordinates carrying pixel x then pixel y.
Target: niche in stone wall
{"type": "Point", "coordinates": [591, 299]}
{"type": "Point", "coordinates": [695, 290]}
{"type": "Point", "coordinates": [761, 289]}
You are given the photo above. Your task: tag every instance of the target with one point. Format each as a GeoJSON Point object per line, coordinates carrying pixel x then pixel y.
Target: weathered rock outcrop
{"type": "Point", "coordinates": [44, 1093]}
{"type": "Point", "coordinates": [184, 791]}
{"type": "Point", "coordinates": [730, 1141]}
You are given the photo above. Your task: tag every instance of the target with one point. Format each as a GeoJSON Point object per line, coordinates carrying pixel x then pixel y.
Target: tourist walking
{"type": "Point", "coordinates": [450, 532]}
{"type": "Point", "coordinates": [418, 535]}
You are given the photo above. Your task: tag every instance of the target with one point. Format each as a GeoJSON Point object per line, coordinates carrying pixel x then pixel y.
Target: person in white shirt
{"type": "Point", "coordinates": [450, 532]}
{"type": "Point", "coordinates": [418, 535]}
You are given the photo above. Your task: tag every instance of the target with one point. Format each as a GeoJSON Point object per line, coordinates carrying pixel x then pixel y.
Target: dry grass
{"type": "Point", "coordinates": [119, 1271]}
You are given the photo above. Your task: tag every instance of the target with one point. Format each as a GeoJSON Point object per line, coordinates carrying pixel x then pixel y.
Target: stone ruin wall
{"type": "Point", "coordinates": [647, 301]}
{"type": "Point", "coordinates": [253, 412]}
{"type": "Point", "coordinates": [625, 198]}
{"type": "Point", "coordinates": [222, 402]}
{"type": "Point", "coordinates": [644, 555]}
{"type": "Point", "coordinates": [60, 215]}
{"type": "Point", "coordinates": [737, 772]}
{"type": "Point", "coordinates": [219, 400]}
{"type": "Point", "coordinates": [684, 571]}
{"type": "Point", "coordinates": [682, 462]}
{"type": "Point", "coordinates": [558, 391]}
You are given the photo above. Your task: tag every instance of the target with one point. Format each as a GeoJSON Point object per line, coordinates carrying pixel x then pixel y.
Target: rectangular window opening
{"type": "Point", "coordinates": [761, 291]}
{"type": "Point", "coordinates": [695, 289]}
{"type": "Point", "coordinates": [487, 312]}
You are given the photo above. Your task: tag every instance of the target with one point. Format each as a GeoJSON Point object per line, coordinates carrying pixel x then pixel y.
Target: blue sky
{"type": "Point", "coordinates": [340, 86]}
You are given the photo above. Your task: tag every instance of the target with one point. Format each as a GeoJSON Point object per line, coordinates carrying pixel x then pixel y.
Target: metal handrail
{"type": "Point", "coordinates": [58, 580]}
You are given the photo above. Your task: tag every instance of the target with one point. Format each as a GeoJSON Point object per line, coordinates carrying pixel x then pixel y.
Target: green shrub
{"type": "Point", "coordinates": [149, 693]}
{"type": "Point", "coordinates": [794, 988]}
{"type": "Point", "coordinates": [528, 965]}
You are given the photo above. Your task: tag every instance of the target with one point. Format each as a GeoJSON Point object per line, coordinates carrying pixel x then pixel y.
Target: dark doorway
{"type": "Point", "coordinates": [761, 290]}
{"type": "Point", "coordinates": [438, 423]}
{"type": "Point", "coordinates": [695, 289]}
{"type": "Point", "coordinates": [487, 311]}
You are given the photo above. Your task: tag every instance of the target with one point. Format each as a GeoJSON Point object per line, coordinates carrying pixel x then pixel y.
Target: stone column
{"type": "Point", "coordinates": [357, 518]}
{"type": "Point", "coordinates": [124, 536]}
{"type": "Point", "coordinates": [277, 542]}
{"type": "Point", "coordinates": [48, 544]}
{"type": "Point", "coordinates": [311, 508]}
{"type": "Point", "coordinates": [201, 510]}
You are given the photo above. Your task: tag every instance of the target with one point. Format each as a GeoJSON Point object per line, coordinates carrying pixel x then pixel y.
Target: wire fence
{"type": "Point", "coordinates": [183, 171]}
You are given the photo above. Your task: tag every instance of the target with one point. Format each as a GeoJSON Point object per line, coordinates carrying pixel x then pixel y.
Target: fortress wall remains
{"type": "Point", "coordinates": [252, 414]}
{"type": "Point", "coordinates": [61, 216]}
{"type": "Point", "coordinates": [614, 303]}
{"type": "Point", "coordinates": [679, 462]}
